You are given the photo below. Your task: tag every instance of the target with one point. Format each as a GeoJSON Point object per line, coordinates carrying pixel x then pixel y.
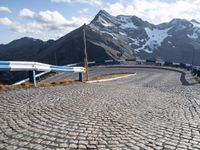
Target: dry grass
{"type": "Point", "coordinates": [15, 87]}
{"type": "Point", "coordinates": [57, 83]}
{"type": "Point", "coordinates": [109, 76]}
{"type": "Point", "coordinates": [63, 82]}
{"type": "Point", "coordinates": [30, 85]}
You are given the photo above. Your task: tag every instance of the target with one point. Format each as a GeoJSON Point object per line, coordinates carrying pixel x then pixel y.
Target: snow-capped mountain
{"type": "Point", "coordinates": [110, 37]}
{"type": "Point", "coordinates": [175, 41]}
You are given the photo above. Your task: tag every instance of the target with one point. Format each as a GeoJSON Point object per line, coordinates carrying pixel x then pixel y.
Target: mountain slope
{"type": "Point", "coordinates": [66, 50]}
{"type": "Point", "coordinates": [69, 49]}
{"type": "Point", "coordinates": [23, 49]}
{"type": "Point", "coordinates": [175, 41]}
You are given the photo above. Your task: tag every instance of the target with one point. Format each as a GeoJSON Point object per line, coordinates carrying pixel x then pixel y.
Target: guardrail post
{"type": "Point", "coordinates": [81, 76]}
{"type": "Point", "coordinates": [32, 77]}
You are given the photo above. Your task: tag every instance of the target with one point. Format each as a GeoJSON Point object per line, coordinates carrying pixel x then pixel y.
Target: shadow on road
{"type": "Point", "coordinates": [183, 79]}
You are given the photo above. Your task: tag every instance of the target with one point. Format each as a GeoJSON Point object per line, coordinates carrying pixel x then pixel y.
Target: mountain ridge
{"type": "Point", "coordinates": [144, 39]}
{"type": "Point", "coordinates": [167, 41]}
{"type": "Point", "coordinates": [69, 49]}
{"type": "Point", "coordinates": [111, 37]}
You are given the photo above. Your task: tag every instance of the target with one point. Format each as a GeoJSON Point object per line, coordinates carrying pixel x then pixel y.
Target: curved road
{"type": "Point", "coordinates": [152, 110]}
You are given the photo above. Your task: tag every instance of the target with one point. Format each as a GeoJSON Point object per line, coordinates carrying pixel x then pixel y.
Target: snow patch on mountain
{"type": "Point", "coordinates": [105, 32]}
{"type": "Point", "coordinates": [155, 38]}
{"type": "Point", "coordinates": [123, 34]}
{"type": "Point", "coordinates": [135, 41]}
{"type": "Point", "coordinates": [126, 22]}
{"type": "Point", "coordinates": [193, 36]}
{"type": "Point", "coordinates": [169, 42]}
{"type": "Point", "coordinates": [195, 24]}
{"type": "Point", "coordinates": [104, 22]}
{"type": "Point", "coordinates": [128, 25]}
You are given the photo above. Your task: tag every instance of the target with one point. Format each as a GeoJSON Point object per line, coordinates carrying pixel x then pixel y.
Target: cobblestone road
{"type": "Point", "coordinates": [151, 110]}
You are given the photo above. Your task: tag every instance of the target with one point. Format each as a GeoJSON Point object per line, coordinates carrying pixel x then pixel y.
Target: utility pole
{"type": "Point", "coordinates": [85, 55]}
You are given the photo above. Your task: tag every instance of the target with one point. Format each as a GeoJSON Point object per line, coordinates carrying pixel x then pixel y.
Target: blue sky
{"type": "Point", "coordinates": [51, 19]}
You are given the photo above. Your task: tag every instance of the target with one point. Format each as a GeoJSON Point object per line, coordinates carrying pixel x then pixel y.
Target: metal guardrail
{"type": "Point", "coordinates": [195, 69]}
{"type": "Point", "coordinates": [69, 65]}
{"type": "Point", "coordinates": [32, 67]}
{"type": "Point", "coordinates": [35, 66]}
{"type": "Point", "coordinates": [27, 79]}
{"type": "Point", "coordinates": [141, 61]}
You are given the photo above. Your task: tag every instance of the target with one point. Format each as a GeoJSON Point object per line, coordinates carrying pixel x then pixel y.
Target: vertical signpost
{"type": "Point", "coordinates": [85, 55]}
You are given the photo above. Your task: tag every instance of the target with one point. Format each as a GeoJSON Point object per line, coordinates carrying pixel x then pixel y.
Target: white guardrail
{"type": "Point", "coordinates": [35, 66]}
{"type": "Point", "coordinates": [30, 66]}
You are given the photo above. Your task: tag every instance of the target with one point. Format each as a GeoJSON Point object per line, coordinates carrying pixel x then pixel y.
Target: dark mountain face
{"type": "Point", "coordinates": [176, 41]}
{"type": "Point", "coordinates": [66, 50]}
{"type": "Point", "coordinates": [23, 49]}
{"type": "Point", "coordinates": [69, 49]}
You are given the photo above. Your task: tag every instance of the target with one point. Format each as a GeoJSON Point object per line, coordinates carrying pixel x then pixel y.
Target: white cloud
{"type": "Point", "coordinates": [5, 9]}
{"type": "Point", "coordinates": [26, 13]}
{"type": "Point", "coordinates": [41, 31]}
{"type": "Point", "coordinates": [47, 24]}
{"type": "Point", "coordinates": [53, 17]}
{"type": "Point", "coordinates": [27, 28]}
{"type": "Point", "coordinates": [91, 2]}
{"type": "Point", "coordinates": [77, 21]}
{"type": "Point", "coordinates": [157, 11]}
{"type": "Point", "coordinates": [5, 21]}
{"type": "Point", "coordinates": [84, 10]}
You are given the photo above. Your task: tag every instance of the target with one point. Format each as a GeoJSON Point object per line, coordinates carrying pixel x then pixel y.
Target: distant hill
{"type": "Point", "coordinates": [23, 49]}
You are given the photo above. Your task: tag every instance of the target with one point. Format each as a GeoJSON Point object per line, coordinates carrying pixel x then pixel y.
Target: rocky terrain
{"type": "Point", "coordinates": [174, 41]}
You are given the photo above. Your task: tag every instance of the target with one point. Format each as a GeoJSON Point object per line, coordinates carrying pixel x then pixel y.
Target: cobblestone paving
{"type": "Point", "coordinates": [151, 110]}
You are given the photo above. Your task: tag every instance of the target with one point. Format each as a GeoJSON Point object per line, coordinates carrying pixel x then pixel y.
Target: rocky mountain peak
{"type": "Point", "coordinates": [166, 41]}
{"type": "Point", "coordinates": [103, 13]}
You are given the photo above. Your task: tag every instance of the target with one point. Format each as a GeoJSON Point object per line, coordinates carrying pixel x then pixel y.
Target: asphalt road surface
{"type": "Point", "coordinates": [153, 110]}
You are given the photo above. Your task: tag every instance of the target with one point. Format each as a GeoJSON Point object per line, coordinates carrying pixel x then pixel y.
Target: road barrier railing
{"type": "Point", "coordinates": [195, 69]}
{"type": "Point", "coordinates": [32, 67]}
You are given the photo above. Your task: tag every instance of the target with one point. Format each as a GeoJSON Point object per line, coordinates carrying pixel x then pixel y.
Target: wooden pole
{"type": "Point", "coordinates": [85, 55]}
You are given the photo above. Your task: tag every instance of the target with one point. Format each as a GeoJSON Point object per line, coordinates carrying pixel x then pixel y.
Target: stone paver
{"type": "Point", "coordinates": [151, 110]}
